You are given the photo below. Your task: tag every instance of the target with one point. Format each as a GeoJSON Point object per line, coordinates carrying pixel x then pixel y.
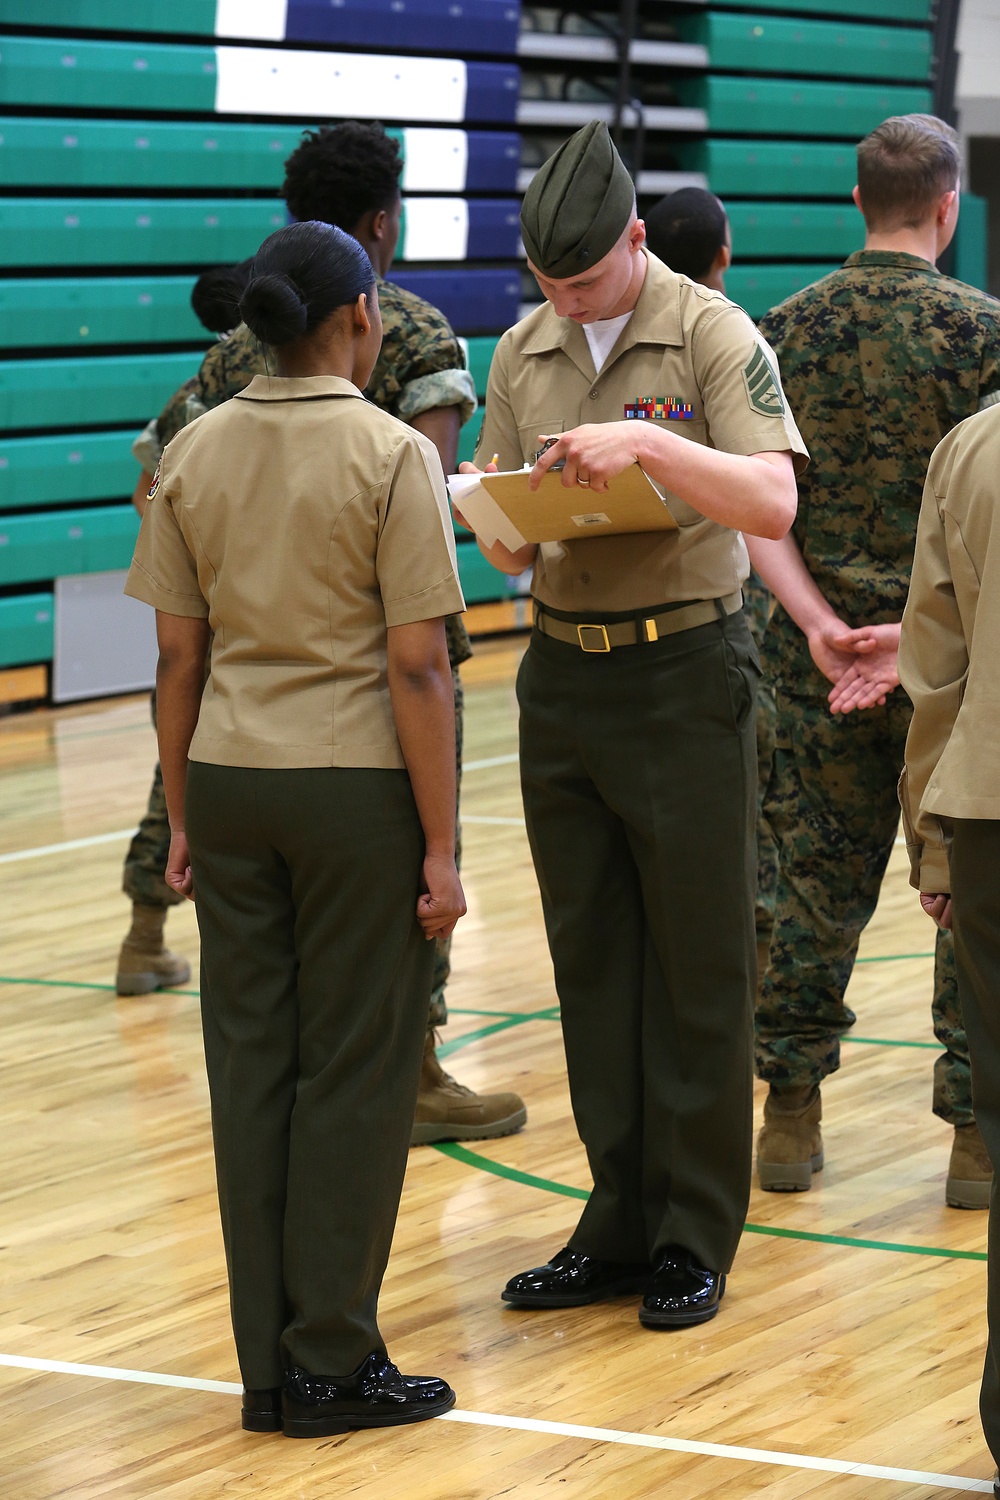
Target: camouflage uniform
{"type": "Point", "coordinates": [420, 366]}
{"type": "Point", "coordinates": [879, 361]}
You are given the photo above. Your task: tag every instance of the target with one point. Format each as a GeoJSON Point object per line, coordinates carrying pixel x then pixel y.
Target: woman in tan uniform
{"type": "Point", "coordinates": [311, 792]}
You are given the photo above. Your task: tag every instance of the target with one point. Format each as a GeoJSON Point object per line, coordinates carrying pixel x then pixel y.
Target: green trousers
{"type": "Point", "coordinates": [638, 775]}
{"type": "Point", "coordinates": [757, 603]}
{"type": "Point", "coordinates": [146, 860]}
{"type": "Point", "coordinates": [831, 805]}
{"type": "Point", "coordinates": [315, 986]}
{"type": "Point", "coordinates": [975, 886]}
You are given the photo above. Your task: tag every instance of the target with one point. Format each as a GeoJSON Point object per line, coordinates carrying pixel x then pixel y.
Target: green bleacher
{"type": "Point", "coordinates": [183, 17]}
{"type": "Point", "coordinates": [74, 74]}
{"type": "Point", "coordinates": [85, 392]}
{"type": "Point", "coordinates": [99, 310]}
{"type": "Point", "coordinates": [791, 107]}
{"type": "Point", "coordinates": [916, 11]}
{"type": "Point", "coordinates": [66, 470]}
{"type": "Point", "coordinates": [776, 169]}
{"type": "Point", "coordinates": [94, 539]}
{"type": "Point", "coordinates": [795, 230]}
{"type": "Point", "coordinates": [142, 153]}
{"type": "Point", "coordinates": [26, 628]}
{"type": "Point", "coordinates": [769, 44]}
{"type": "Point", "coordinates": [133, 231]}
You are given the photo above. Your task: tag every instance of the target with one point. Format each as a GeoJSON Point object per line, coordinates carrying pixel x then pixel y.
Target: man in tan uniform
{"type": "Point", "coordinates": [637, 729]}
{"type": "Point", "coordinates": [950, 788]}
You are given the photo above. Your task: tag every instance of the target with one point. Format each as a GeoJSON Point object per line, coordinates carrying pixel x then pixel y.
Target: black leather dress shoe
{"type": "Point", "coordinates": [682, 1291]}
{"type": "Point", "coordinates": [262, 1410]}
{"type": "Point", "coordinates": [376, 1395]}
{"type": "Point", "coordinates": [572, 1279]}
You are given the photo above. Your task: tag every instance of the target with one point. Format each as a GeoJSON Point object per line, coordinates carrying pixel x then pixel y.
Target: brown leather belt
{"type": "Point", "coordinates": [599, 638]}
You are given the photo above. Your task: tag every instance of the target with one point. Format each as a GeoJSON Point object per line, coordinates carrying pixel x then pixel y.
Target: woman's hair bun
{"type": "Point", "coordinates": [274, 309]}
{"type": "Point", "coordinates": [300, 275]}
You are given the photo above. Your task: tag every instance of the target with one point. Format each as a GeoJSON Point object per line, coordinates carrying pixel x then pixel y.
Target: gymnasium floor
{"type": "Point", "coordinates": [845, 1362]}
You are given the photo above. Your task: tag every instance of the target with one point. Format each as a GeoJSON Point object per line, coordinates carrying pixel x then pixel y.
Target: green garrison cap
{"type": "Point", "coordinates": [577, 205]}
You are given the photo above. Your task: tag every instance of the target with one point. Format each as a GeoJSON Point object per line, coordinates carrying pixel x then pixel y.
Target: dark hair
{"type": "Point", "coordinates": [299, 276]}
{"type": "Point", "coordinates": [904, 168]}
{"type": "Point", "coordinates": [687, 229]}
{"type": "Point", "coordinates": [215, 296]}
{"type": "Point", "coordinates": [342, 172]}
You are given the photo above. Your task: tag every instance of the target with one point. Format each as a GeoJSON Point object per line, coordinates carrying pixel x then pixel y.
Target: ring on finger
{"type": "Point", "coordinates": [584, 482]}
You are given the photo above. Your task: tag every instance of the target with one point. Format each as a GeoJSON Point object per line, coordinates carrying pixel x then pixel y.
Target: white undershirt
{"type": "Point", "coordinates": [603, 336]}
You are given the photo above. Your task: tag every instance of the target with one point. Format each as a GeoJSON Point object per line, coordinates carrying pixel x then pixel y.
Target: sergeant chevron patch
{"type": "Point", "coordinates": [761, 381]}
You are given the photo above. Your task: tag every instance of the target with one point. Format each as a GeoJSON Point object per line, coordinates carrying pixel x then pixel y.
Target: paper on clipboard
{"type": "Point", "coordinates": [556, 513]}
{"type": "Point", "coordinates": [483, 514]}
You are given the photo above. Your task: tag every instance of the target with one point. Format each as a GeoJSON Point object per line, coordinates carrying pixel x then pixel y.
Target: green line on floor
{"type": "Point", "coordinates": [881, 1041]}
{"type": "Point", "coordinates": [527, 1179]}
{"type": "Point", "coordinates": [485, 1164]}
{"type": "Point", "coordinates": [890, 958]}
{"type": "Point", "coordinates": [846, 1239]}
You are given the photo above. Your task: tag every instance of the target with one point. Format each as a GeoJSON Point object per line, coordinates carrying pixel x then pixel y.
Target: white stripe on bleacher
{"type": "Point", "coordinates": [435, 161]}
{"type": "Point", "coordinates": [435, 229]}
{"type": "Point", "coordinates": [338, 85]}
{"type": "Point", "coordinates": [257, 20]}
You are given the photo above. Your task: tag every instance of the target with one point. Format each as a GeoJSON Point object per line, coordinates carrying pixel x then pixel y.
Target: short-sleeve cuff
{"type": "Point", "coordinates": [139, 585]}
{"type": "Point", "coordinates": [772, 439]}
{"type": "Point", "coordinates": [442, 598]}
{"type": "Point", "coordinates": [929, 868]}
{"type": "Point", "coordinates": [442, 388]}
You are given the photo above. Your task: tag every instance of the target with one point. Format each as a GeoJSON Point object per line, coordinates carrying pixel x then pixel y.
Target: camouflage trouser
{"type": "Point", "coordinates": [831, 804]}
{"type": "Point", "coordinates": [757, 604]}
{"type": "Point", "coordinates": [146, 861]}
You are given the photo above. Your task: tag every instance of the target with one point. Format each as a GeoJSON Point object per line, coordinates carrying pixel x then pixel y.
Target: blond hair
{"type": "Point", "coordinates": [904, 167]}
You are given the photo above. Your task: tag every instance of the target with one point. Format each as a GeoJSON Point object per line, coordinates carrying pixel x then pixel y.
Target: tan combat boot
{"type": "Point", "coordinates": [970, 1173]}
{"type": "Point", "coordinates": [448, 1111]}
{"type": "Point", "coordinates": [790, 1146]}
{"type": "Point", "coordinates": [144, 964]}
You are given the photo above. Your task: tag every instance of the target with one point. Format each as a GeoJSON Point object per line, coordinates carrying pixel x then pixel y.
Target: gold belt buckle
{"type": "Point", "coordinates": [602, 637]}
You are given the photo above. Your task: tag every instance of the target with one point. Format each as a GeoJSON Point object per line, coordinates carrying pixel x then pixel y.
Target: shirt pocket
{"type": "Point", "coordinates": [694, 430]}
{"type": "Point", "coordinates": [528, 435]}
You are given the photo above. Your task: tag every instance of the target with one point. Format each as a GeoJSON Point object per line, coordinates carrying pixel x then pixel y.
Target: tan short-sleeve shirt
{"type": "Point", "coordinates": [301, 522]}
{"type": "Point", "coordinates": [684, 347]}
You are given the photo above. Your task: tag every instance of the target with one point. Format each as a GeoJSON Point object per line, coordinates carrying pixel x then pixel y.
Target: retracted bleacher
{"type": "Point", "coordinates": [141, 142]}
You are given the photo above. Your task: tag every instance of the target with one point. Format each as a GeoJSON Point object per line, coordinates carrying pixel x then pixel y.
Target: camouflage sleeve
{"type": "Point", "coordinates": [422, 364]}
{"type": "Point", "coordinates": [174, 415]}
{"type": "Point", "coordinates": [442, 388]}
{"type": "Point", "coordinates": [147, 447]}
{"type": "Point", "coordinates": [228, 368]}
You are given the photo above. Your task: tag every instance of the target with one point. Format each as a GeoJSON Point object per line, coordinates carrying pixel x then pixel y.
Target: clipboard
{"type": "Point", "coordinates": [555, 513]}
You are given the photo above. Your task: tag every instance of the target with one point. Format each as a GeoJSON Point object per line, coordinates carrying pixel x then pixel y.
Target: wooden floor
{"type": "Point", "coordinates": [852, 1333]}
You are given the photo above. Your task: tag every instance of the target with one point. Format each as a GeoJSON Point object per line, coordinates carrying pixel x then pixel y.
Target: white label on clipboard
{"type": "Point", "coordinates": [593, 518]}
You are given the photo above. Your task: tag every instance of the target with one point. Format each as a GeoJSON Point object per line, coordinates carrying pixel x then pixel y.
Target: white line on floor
{"type": "Point", "coordinates": [505, 822]}
{"type": "Point", "coordinates": [97, 838]}
{"type": "Point", "coordinates": [492, 760]}
{"type": "Point", "coordinates": [127, 833]}
{"type": "Point", "coordinates": [555, 1429]}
